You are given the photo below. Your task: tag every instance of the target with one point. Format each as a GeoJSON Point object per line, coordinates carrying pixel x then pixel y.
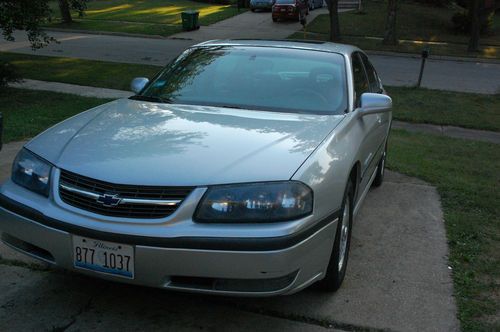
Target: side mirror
{"type": "Point", "coordinates": [372, 103]}
{"type": "Point", "coordinates": [138, 84]}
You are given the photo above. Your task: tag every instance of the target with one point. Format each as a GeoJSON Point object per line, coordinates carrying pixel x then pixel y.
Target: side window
{"type": "Point", "coordinates": [360, 81]}
{"type": "Point", "coordinates": [372, 75]}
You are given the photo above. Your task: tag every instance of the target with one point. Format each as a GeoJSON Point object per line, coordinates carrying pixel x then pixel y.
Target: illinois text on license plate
{"type": "Point", "coordinates": [104, 257]}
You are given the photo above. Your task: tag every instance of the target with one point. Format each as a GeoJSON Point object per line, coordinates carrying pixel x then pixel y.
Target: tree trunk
{"type": "Point", "coordinates": [390, 34]}
{"type": "Point", "coordinates": [333, 8]}
{"type": "Point", "coordinates": [474, 13]}
{"type": "Point", "coordinates": [65, 12]}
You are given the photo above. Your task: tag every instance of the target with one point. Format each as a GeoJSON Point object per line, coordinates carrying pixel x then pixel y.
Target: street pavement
{"type": "Point", "coordinates": [454, 75]}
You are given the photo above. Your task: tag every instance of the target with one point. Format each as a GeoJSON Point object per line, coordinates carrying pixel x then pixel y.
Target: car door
{"type": "Point", "coordinates": [383, 119]}
{"type": "Point", "coordinates": [369, 124]}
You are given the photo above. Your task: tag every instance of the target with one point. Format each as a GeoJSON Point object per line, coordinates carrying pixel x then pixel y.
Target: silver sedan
{"type": "Point", "coordinates": [237, 170]}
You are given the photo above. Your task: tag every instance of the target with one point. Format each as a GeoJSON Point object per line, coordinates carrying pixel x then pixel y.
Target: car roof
{"type": "Point", "coordinates": [289, 43]}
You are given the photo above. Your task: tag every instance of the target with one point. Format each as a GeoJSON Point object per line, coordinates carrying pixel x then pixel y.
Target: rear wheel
{"type": "Point", "coordinates": [337, 266]}
{"type": "Point", "coordinates": [379, 178]}
{"type": "Point", "coordinates": [275, 19]}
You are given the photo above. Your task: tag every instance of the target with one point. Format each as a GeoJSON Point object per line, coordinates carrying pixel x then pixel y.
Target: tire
{"type": "Point", "coordinates": [275, 20]}
{"type": "Point", "coordinates": [337, 265]}
{"type": "Point", "coordinates": [253, 10]}
{"type": "Point", "coordinates": [379, 178]}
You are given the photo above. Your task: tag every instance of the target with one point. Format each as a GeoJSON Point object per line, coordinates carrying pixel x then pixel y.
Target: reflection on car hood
{"type": "Point", "coordinates": [144, 143]}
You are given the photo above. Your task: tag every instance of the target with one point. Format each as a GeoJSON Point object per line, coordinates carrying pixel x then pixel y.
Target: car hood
{"type": "Point", "coordinates": [143, 143]}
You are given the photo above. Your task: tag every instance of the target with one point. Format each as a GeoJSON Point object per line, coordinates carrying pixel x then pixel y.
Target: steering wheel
{"type": "Point", "coordinates": [305, 91]}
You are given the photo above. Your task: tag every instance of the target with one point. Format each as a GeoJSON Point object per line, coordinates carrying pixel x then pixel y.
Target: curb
{"type": "Point", "coordinates": [109, 33]}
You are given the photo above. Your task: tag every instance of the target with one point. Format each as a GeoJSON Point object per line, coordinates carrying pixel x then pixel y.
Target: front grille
{"type": "Point", "coordinates": [124, 210]}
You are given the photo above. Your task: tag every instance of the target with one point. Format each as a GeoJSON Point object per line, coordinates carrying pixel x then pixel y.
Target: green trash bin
{"type": "Point", "coordinates": [190, 20]}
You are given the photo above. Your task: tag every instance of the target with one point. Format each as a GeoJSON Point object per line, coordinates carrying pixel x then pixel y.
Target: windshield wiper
{"type": "Point", "coordinates": [228, 106]}
{"type": "Point", "coordinates": [153, 99]}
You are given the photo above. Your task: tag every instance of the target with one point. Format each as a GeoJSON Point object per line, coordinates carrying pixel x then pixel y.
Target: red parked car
{"type": "Point", "coordinates": [290, 9]}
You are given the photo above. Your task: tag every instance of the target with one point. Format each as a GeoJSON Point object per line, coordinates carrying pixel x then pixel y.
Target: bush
{"type": "Point", "coordinates": [8, 74]}
{"type": "Point", "coordinates": [462, 23]}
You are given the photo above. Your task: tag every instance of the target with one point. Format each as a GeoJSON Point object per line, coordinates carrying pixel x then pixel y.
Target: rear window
{"type": "Point", "coordinates": [260, 78]}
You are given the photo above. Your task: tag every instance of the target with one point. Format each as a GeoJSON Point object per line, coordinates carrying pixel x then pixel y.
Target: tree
{"type": "Point", "coordinates": [65, 11]}
{"type": "Point", "coordinates": [390, 34]}
{"type": "Point", "coordinates": [65, 7]}
{"type": "Point", "coordinates": [333, 9]}
{"type": "Point", "coordinates": [475, 19]}
{"type": "Point", "coordinates": [25, 15]}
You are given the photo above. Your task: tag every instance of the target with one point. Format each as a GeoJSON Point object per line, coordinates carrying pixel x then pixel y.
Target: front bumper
{"type": "Point", "coordinates": [215, 265]}
{"type": "Point", "coordinates": [286, 15]}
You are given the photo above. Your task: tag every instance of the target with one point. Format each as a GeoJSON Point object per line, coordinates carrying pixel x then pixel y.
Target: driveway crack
{"type": "Point", "coordinates": [329, 324]}
{"type": "Point", "coordinates": [74, 317]}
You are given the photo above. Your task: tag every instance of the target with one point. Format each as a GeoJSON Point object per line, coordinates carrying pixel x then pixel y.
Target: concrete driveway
{"type": "Point", "coordinates": [249, 25]}
{"type": "Point", "coordinates": [397, 279]}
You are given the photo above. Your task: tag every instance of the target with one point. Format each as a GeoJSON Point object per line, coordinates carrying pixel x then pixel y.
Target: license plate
{"type": "Point", "coordinates": [283, 9]}
{"type": "Point", "coordinates": [103, 257]}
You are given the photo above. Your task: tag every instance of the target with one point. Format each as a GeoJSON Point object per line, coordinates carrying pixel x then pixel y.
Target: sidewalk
{"type": "Point", "coordinates": [84, 91]}
{"type": "Point", "coordinates": [87, 91]}
{"type": "Point", "coordinates": [450, 131]}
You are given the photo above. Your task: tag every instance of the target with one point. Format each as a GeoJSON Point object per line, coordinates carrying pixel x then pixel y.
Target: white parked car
{"type": "Point", "coordinates": [237, 170]}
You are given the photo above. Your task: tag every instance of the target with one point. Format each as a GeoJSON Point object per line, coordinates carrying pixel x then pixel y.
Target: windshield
{"type": "Point", "coordinates": [255, 78]}
{"type": "Point", "coordinates": [285, 2]}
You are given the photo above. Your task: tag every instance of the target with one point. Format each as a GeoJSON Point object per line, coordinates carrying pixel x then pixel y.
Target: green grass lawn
{"type": "Point", "coordinates": [467, 175]}
{"type": "Point", "coordinates": [417, 24]}
{"type": "Point", "coordinates": [468, 110]}
{"type": "Point", "coordinates": [152, 17]}
{"type": "Point", "coordinates": [27, 112]}
{"type": "Point", "coordinates": [102, 74]}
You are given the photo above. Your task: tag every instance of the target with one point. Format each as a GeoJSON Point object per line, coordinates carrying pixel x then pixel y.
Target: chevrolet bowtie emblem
{"type": "Point", "coordinates": [109, 200]}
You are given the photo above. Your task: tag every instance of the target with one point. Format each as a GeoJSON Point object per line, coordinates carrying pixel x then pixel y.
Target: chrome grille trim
{"type": "Point", "coordinates": [167, 202]}
{"type": "Point", "coordinates": [119, 200]}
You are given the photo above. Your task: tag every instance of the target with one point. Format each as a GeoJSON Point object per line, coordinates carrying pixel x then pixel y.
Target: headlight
{"type": "Point", "coordinates": [31, 172]}
{"type": "Point", "coordinates": [255, 202]}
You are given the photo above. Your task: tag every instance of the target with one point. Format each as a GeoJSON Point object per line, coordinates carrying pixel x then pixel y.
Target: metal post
{"type": "Point", "coordinates": [425, 55]}
{"type": "Point", "coordinates": [1, 129]}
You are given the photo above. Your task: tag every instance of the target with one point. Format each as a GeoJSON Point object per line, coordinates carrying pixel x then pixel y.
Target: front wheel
{"type": "Point", "coordinates": [337, 265]}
